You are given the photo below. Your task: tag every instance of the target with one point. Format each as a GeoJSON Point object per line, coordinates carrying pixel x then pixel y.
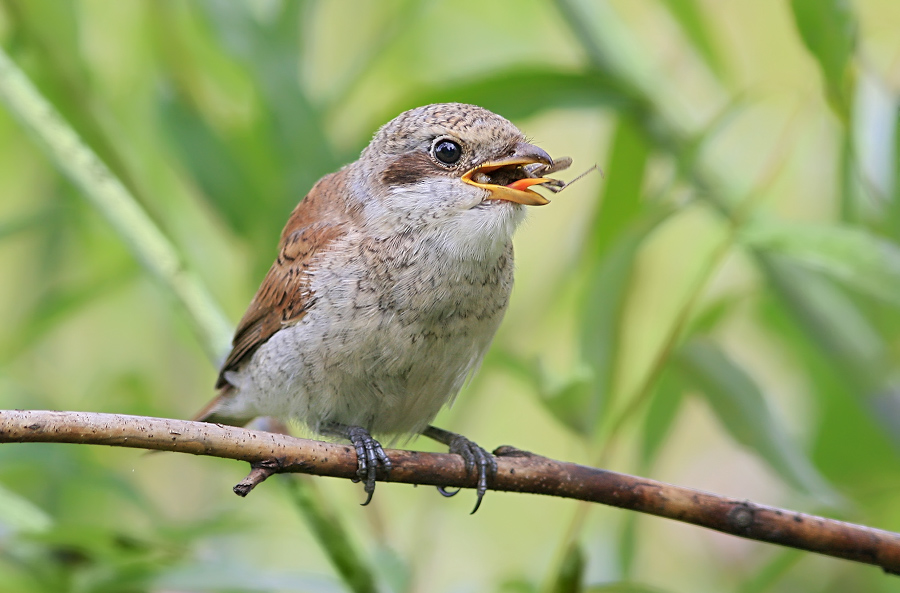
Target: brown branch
{"type": "Point", "coordinates": [518, 471]}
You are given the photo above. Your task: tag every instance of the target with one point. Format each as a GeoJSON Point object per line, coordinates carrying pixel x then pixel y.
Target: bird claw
{"type": "Point", "coordinates": [476, 459]}
{"type": "Point", "coordinates": [369, 454]}
{"type": "Point", "coordinates": [446, 493]}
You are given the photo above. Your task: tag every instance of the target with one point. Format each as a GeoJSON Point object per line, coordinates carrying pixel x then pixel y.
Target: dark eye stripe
{"type": "Point", "coordinates": [410, 168]}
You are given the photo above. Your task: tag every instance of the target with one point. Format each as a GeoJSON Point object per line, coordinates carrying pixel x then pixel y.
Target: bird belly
{"type": "Point", "coordinates": [382, 353]}
{"type": "Point", "coordinates": [391, 379]}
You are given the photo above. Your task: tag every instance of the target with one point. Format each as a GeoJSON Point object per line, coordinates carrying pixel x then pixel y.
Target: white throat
{"type": "Point", "coordinates": [447, 216]}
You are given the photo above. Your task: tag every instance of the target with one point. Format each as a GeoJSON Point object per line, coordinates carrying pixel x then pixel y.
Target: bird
{"type": "Point", "coordinates": [391, 279]}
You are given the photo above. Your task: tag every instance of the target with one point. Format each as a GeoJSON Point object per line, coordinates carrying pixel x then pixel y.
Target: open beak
{"type": "Point", "coordinates": [506, 178]}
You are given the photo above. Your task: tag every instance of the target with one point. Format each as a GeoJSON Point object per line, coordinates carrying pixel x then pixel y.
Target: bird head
{"type": "Point", "coordinates": [450, 168]}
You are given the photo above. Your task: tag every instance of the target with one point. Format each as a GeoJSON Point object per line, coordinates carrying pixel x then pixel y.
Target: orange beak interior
{"type": "Point", "coordinates": [517, 191]}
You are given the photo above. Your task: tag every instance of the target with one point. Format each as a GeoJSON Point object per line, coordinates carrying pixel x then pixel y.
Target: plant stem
{"type": "Point", "coordinates": [108, 195]}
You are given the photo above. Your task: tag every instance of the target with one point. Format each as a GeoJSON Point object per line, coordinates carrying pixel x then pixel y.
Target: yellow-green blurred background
{"type": "Point", "coordinates": [719, 310]}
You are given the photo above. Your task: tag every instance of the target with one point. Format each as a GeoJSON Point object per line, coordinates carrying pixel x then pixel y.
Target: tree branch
{"type": "Point", "coordinates": [518, 471]}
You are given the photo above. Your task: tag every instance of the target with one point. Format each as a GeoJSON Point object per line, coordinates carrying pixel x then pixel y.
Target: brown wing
{"type": "Point", "coordinates": [285, 294]}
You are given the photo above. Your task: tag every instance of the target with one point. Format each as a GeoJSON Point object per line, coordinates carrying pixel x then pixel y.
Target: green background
{"type": "Point", "coordinates": [718, 310]}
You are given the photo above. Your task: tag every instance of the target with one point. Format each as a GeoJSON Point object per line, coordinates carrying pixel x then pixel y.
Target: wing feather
{"type": "Point", "coordinates": [285, 294]}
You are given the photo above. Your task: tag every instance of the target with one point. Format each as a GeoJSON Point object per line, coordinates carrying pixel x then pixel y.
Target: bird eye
{"type": "Point", "coordinates": [447, 151]}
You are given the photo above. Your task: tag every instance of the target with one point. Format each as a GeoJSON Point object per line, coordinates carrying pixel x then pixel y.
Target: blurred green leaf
{"type": "Point", "coordinates": [610, 50]}
{"type": "Point", "coordinates": [622, 201]}
{"type": "Point", "coordinates": [393, 568]}
{"type": "Point", "coordinates": [689, 15]}
{"type": "Point", "coordinates": [623, 587]}
{"type": "Point", "coordinates": [519, 93]}
{"type": "Point", "coordinates": [829, 31]}
{"type": "Point", "coordinates": [857, 257]}
{"type": "Point", "coordinates": [628, 545]}
{"type": "Point", "coordinates": [852, 445]}
{"type": "Point", "coordinates": [763, 579]}
{"type": "Point", "coordinates": [11, 228]}
{"type": "Point", "coordinates": [96, 560]}
{"type": "Point", "coordinates": [564, 397]}
{"type": "Point", "coordinates": [885, 407]}
{"type": "Point", "coordinates": [713, 313]}
{"type": "Point", "coordinates": [17, 513]}
{"type": "Point", "coordinates": [349, 563]}
{"type": "Point", "coordinates": [401, 16]}
{"type": "Point", "coordinates": [822, 331]}
{"type": "Point", "coordinates": [233, 574]}
{"type": "Point", "coordinates": [67, 480]}
{"type": "Point", "coordinates": [740, 406]}
{"type": "Point", "coordinates": [210, 160]}
{"type": "Point", "coordinates": [833, 324]}
{"type": "Point", "coordinates": [270, 43]}
{"type": "Point", "coordinates": [184, 532]}
{"type": "Point", "coordinates": [566, 400]}
{"type": "Point", "coordinates": [518, 585]}
{"type": "Point", "coordinates": [60, 303]}
{"type": "Point", "coordinates": [891, 222]}
{"type": "Point", "coordinates": [601, 312]}
{"type": "Point", "coordinates": [847, 179]}
{"type": "Point", "coordinates": [571, 571]}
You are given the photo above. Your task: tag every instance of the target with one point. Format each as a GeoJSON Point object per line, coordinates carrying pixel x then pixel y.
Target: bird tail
{"type": "Point", "coordinates": [217, 410]}
{"type": "Point", "coordinates": [221, 411]}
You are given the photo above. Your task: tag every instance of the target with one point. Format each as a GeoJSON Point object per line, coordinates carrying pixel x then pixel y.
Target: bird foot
{"type": "Point", "coordinates": [369, 455]}
{"type": "Point", "coordinates": [476, 459]}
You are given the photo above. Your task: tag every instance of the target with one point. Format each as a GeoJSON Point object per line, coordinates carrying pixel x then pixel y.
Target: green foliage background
{"type": "Point", "coordinates": [719, 311]}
